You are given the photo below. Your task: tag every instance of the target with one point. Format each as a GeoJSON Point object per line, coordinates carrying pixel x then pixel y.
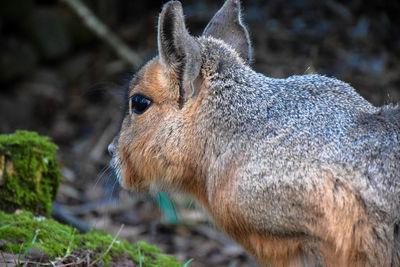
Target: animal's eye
{"type": "Point", "coordinates": [139, 103]}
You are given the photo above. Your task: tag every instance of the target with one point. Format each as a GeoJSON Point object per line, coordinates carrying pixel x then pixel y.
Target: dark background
{"type": "Point", "coordinates": [58, 78]}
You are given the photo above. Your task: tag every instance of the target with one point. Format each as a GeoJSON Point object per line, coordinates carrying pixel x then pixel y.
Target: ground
{"type": "Point", "coordinates": [37, 241]}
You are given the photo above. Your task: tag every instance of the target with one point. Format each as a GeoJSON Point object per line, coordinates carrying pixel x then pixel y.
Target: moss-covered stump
{"type": "Point", "coordinates": [29, 174]}
{"type": "Point", "coordinates": [42, 241]}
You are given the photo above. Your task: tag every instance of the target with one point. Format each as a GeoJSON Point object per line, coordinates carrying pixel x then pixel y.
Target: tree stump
{"type": "Point", "coordinates": [29, 174]}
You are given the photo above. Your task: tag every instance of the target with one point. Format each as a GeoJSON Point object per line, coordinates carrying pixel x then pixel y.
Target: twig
{"type": "Point", "coordinates": [103, 32]}
{"type": "Point", "coordinates": [339, 9]}
{"type": "Point", "coordinates": [71, 263]}
{"type": "Point", "coordinates": [88, 259]}
{"type": "Point", "coordinates": [26, 262]}
{"type": "Point", "coordinates": [60, 215]}
{"type": "Point", "coordinates": [109, 247]}
{"type": "Point", "coordinates": [104, 140]}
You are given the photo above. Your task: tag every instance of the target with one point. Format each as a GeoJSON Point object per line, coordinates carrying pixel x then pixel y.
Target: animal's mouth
{"type": "Point", "coordinates": [116, 167]}
{"type": "Point", "coordinates": [129, 183]}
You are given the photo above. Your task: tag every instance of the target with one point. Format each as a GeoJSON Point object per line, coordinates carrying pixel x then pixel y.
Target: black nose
{"type": "Point", "coordinates": [111, 147]}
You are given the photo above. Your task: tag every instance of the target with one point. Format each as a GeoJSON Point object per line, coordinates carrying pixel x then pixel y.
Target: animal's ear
{"type": "Point", "coordinates": [227, 25]}
{"type": "Point", "coordinates": [177, 48]}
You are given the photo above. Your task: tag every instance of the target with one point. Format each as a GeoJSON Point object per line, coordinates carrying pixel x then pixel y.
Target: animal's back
{"type": "Point", "coordinates": [308, 118]}
{"type": "Point", "coordinates": [315, 152]}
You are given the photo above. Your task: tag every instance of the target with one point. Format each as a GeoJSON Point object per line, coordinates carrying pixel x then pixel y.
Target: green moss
{"type": "Point", "coordinates": [21, 229]}
{"type": "Point", "coordinates": [29, 174]}
{"type": "Point", "coordinates": [58, 240]}
{"type": "Point", "coordinates": [29, 179]}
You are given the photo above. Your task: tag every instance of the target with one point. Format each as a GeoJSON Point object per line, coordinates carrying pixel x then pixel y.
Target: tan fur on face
{"type": "Point", "coordinates": [140, 142]}
{"type": "Point", "coordinates": [152, 154]}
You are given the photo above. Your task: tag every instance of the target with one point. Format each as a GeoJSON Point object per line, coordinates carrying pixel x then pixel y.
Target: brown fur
{"type": "Point", "coordinates": [323, 221]}
{"type": "Point", "coordinates": [148, 147]}
{"type": "Point", "coordinates": [340, 234]}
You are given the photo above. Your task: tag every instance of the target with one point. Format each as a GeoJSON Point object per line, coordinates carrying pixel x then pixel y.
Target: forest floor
{"type": "Point", "coordinates": [76, 98]}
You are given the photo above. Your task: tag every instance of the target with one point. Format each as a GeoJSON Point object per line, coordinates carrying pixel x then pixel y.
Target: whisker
{"type": "Point", "coordinates": [102, 175]}
{"type": "Point", "coordinates": [107, 179]}
{"type": "Point", "coordinates": [113, 189]}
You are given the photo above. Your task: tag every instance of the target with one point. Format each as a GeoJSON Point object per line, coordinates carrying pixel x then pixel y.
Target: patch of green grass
{"type": "Point", "coordinates": [24, 231]}
{"type": "Point", "coordinates": [187, 263]}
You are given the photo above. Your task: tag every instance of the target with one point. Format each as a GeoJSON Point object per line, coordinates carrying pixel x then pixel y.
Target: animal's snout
{"type": "Point", "coordinates": [111, 147]}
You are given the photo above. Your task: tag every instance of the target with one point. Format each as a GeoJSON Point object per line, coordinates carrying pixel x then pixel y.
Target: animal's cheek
{"type": "Point", "coordinates": [132, 178]}
{"type": "Point", "coordinates": [128, 162]}
{"type": "Point", "coordinates": [125, 176]}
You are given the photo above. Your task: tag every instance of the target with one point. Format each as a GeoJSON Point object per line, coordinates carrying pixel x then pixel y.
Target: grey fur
{"type": "Point", "coordinates": [178, 50]}
{"type": "Point", "coordinates": [276, 138]}
{"type": "Point", "coordinates": [329, 120]}
{"type": "Point", "coordinates": [288, 130]}
{"type": "Point", "coordinates": [227, 25]}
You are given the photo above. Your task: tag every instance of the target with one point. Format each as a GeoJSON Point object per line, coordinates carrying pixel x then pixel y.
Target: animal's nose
{"type": "Point", "coordinates": [111, 147]}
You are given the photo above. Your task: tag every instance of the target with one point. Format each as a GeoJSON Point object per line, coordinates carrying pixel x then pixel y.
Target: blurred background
{"type": "Point", "coordinates": [57, 77]}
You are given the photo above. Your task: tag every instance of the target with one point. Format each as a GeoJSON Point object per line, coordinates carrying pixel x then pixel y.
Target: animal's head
{"type": "Point", "coordinates": [157, 141]}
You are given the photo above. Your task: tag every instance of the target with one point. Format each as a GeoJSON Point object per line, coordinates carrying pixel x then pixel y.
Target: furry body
{"type": "Point", "coordinates": [301, 171]}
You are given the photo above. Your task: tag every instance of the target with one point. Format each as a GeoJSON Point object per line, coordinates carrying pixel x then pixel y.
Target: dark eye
{"type": "Point", "coordinates": [139, 103]}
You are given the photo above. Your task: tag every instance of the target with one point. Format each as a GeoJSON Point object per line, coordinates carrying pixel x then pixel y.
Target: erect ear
{"type": "Point", "coordinates": [177, 49]}
{"type": "Point", "coordinates": [227, 25]}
